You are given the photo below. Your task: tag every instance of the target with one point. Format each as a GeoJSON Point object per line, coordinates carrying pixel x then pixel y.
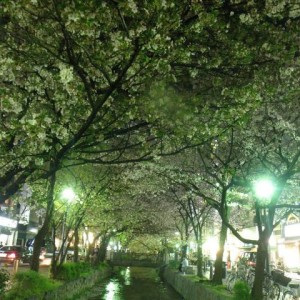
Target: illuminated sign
{"type": "Point", "coordinates": [292, 230]}
{"type": "Point", "coordinates": [6, 222]}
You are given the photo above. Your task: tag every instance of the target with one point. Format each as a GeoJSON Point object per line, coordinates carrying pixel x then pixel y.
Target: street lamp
{"type": "Point", "coordinates": [69, 195]}
{"type": "Point", "coordinates": [264, 190]}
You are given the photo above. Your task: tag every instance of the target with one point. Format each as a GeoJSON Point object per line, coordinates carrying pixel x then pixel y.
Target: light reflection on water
{"type": "Point", "coordinates": [126, 274]}
{"type": "Point", "coordinates": [134, 283]}
{"type": "Point", "coordinates": [112, 291]}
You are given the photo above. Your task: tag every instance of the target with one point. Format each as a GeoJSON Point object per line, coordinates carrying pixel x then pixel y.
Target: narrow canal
{"type": "Point", "coordinates": [133, 283]}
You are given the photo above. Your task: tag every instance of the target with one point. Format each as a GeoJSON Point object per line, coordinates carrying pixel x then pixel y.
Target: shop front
{"type": "Point", "coordinates": [8, 228]}
{"type": "Point", "coordinates": [289, 246]}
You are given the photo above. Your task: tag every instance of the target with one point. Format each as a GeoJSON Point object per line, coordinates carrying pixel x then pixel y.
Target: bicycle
{"type": "Point", "coordinates": [250, 277]}
{"type": "Point", "coordinates": [291, 292]}
{"type": "Point", "coordinates": [234, 276]}
{"type": "Point", "coordinates": [228, 280]}
{"type": "Point", "coordinates": [271, 289]}
{"type": "Point", "coordinates": [242, 273]}
{"type": "Point", "coordinates": [231, 279]}
{"type": "Point", "coordinates": [288, 290]}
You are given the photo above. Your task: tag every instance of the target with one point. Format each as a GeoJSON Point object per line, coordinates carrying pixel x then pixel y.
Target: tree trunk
{"type": "Point", "coordinates": [103, 248]}
{"type": "Point", "coordinates": [184, 251]}
{"type": "Point", "coordinates": [53, 266]}
{"type": "Point", "coordinates": [89, 252]}
{"type": "Point", "coordinates": [53, 258]}
{"type": "Point", "coordinates": [76, 242]}
{"type": "Point", "coordinates": [218, 274]}
{"type": "Point", "coordinates": [66, 246]}
{"type": "Point", "coordinates": [40, 237]}
{"type": "Point", "coordinates": [38, 244]}
{"type": "Point", "coordinates": [199, 258]}
{"type": "Point", "coordinates": [262, 252]}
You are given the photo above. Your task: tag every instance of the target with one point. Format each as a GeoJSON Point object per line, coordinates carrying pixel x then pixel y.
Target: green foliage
{"type": "Point", "coordinates": [174, 264]}
{"type": "Point", "coordinates": [241, 291]}
{"type": "Point", "coordinates": [4, 277]}
{"type": "Point", "coordinates": [219, 289]}
{"type": "Point", "coordinates": [28, 284]}
{"type": "Point", "coordinates": [103, 266]}
{"type": "Point", "coordinates": [72, 270]}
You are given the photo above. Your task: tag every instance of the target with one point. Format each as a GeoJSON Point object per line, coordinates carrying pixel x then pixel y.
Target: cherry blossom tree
{"type": "Point", "coordinates": [88, 82]}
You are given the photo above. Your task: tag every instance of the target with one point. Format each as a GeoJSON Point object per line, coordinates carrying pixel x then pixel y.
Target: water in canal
{"type": "Point", "coordinates": [133, 283]}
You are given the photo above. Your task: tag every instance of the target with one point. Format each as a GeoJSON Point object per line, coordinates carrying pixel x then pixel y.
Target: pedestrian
{"type": "Point", "coordinates": [95, 253]}
{"type": "Point", "coordinates": [96, 250]}
{"type": "Point", "coordinates": [228, 261]}
{"type": "Point", "coordinates": [29, 245]}
{"type": "Point", "coordinates": [185, 264]}
{"type": "Point", "coordinates": [180, 267]}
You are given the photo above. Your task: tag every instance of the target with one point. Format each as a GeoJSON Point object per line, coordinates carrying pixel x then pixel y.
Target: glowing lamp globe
{"type": "Point", "coordinates": [68, 194]}
{"type": "Point", "coordinates": [264, 189]}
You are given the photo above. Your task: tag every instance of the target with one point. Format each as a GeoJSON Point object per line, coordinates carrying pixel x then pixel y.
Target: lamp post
{"type": "Point", "coordinates": [69, 195]}
{"type": "Point", "coordinates": [264, 190]}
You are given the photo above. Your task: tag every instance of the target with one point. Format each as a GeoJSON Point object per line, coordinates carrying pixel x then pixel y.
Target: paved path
{"type": "Point", "coordinates": [44, 268]}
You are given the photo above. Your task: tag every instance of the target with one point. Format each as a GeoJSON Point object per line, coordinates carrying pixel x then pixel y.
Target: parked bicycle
{"type": "Point", "coordinates": [230, 281]}
{"type": "Point", "coordinates": [291, 292]}
{"type": "Point", "coordinates": [271, 289]}
{"type": "Point", "coordinates": [287, 290]}
{"type": "Point", "coordinates": [242, 273]}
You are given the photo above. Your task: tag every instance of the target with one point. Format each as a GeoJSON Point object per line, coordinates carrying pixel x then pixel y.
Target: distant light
{"type": "Point", "coordinates": [68, 194]}
{"type": "Point", "coordinates": [264, 188]}
{"type": "Point", "coordinates": [211, 245]}
{"type": "Point", "coordinates": [90, 237]}
{"type": "Point", "coordinates": [33, 230]}
{"type": "Point", "coordinates": [272, 241]}
{"type": "Point", "coordinates": [193, 246]}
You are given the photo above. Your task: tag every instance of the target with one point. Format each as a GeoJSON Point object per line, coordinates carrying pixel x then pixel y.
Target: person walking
{"type": "Point", "coordinates": [185, 264]}
{"type": "Point", "coordinates": [95, 253]}
{"type": "Point", "coordinates": [180, 267]}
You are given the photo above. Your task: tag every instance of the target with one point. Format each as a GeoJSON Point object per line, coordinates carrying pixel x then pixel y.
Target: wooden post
{"type": "Point", "coordinates": [15, 266]}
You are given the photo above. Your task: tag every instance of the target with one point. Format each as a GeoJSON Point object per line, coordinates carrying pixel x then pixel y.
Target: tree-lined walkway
{"type": "Point", "coordinates": [162, 116]}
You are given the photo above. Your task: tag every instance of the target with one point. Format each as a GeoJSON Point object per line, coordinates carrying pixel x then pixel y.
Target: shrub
{"type": "Point", "coordinates": [72, 270]}
{"type": "Point", "coordinates": [241, 291]}
{"type": "Point", "coordinates": [103, 266]}
{"type": "Point", "coordinates": [4, 278]}
{"type": "Point", "coordinates": [28, 284]}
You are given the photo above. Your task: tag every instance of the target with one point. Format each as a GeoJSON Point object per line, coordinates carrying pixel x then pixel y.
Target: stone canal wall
{"type": "Point", "coordinates": [190, 289]}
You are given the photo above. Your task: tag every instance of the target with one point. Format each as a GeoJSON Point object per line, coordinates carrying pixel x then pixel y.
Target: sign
{"type": "Point", "coordinates": [292, 230]}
